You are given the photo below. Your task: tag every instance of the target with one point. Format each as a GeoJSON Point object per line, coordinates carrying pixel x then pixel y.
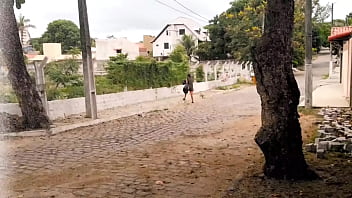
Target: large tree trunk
{"type": "Point", "coordinates": [280, 134]}
{"type": "Point", "coordinates": [12, 56]}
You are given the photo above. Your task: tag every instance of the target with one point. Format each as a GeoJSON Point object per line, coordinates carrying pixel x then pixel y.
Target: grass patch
{"type": "Point", "coordinates": [239, 84]}
{"type": "Point", "coordinates": [305, 111]}
{"type": "Point", "coordinates": [325, 76]}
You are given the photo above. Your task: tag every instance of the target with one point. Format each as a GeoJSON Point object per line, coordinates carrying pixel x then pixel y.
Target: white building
{"type": "Point", "coordinates": [172, 33]}
{"type": "Point", "coordinates": [106, 48]}
{"type": "Point", "coordinates": [25, 37]}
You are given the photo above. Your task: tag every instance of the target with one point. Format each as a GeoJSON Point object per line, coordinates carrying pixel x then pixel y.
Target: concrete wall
{"type": "Point", "coordinates": [63, 108]}
{"type": "Point", "coordinates": [224, 69]}
{"type": "Point", "coordinates": [52, 50]}
{"type": "Point", "coordinates": [107, 48]}
{"type": "Point", "coordinates": [346, 67]}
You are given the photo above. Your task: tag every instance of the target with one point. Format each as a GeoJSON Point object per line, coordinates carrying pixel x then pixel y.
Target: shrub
{"type": "Point", "coordinates": [105, 86]}
{"type": "Point", "coordinates": [200, 74]}
{"type": "Point", "coordinates": [147, 73]}
{"type": "Point", "coordinates": [64, 73]}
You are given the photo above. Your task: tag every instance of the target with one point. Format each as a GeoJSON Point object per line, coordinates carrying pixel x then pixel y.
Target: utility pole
{"type": "Point", "coordinates": [332, 15]}
{"type": "Point", "coordinates": [89, 84]}
{"type": "Point", "coordinates": [308, 60]}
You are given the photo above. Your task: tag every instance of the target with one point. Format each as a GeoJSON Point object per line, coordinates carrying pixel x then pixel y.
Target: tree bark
{"type": "Point", "coordinates": [33, 112]}
{"type": "Point", "coordinates": [279, 137]}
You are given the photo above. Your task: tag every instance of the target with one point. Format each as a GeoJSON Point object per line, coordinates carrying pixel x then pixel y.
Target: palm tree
{"type": "Point", "coordinates": [23, 25]}
{"type": "Point", "coordinates": [189, 43]}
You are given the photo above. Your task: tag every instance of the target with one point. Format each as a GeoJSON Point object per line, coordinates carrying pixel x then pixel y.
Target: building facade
{"type": "Point", "coordinates": [172, 33]}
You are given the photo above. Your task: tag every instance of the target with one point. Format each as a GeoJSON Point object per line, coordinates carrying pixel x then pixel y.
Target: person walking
{"type": "Point", "coordinates": [189, 83]}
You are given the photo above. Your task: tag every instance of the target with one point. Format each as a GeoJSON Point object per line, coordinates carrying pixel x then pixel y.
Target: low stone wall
{"type": "Point", "coordinates": [67, 107]}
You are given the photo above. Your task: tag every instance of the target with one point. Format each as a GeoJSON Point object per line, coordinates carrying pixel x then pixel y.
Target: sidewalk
{"type": "Point", "coordinates": [328, 93]}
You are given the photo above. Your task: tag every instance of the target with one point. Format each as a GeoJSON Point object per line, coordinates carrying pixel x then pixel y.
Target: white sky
{"type": "Point", "coordinates": [121, 18]}
{"type": "Point", "coordinates": [133, 18]}
{"type": "Point", "coordinates": [341, 8]}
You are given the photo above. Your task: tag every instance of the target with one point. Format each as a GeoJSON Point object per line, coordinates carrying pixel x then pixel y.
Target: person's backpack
{"type": "Point", "coordinates": [185, 89]}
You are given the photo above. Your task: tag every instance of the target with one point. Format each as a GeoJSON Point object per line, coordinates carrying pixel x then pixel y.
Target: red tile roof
{"type": "Point", "coordinates": [340, 32]}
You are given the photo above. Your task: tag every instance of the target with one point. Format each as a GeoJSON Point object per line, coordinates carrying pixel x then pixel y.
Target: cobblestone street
{"type": "Point", "coordinates": [190, 150]}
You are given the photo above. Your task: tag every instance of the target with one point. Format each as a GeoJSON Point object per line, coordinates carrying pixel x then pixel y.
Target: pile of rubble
{"type": "Point", "coordinates": [334, 132]}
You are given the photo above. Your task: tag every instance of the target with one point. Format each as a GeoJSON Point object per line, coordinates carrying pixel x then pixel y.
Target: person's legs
{"type": "Point", "coordinates": [185, 97]}
{"type": "Point", "coordinates": [191, 92]}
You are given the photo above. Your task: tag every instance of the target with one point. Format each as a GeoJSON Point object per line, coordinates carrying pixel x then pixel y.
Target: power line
{"type": "Point", "coordinates": [177, 10]}
{"type": "Point", "coordinates": [190, 10]}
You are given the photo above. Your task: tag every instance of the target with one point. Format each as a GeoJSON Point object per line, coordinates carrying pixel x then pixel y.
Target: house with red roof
{"type": "Point", "coordinates": [341, 37]}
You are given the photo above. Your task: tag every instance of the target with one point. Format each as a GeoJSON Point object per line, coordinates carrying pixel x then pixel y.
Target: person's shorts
{"type": "Point", "coordinates": [190, 88]}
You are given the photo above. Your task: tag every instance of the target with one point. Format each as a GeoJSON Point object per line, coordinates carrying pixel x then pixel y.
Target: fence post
{"type": "Point", "coordinates": [40, 83]}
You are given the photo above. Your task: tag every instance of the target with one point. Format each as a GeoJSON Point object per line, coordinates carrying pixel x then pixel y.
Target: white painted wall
{"type": "Point", "coordinates": [106, 48]}
{"type": "Point", "coordinates": [64, 108]}
{"type": "Point", "coordinates": [346, 67]}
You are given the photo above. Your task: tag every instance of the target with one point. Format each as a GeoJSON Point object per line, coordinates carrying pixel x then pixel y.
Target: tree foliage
{"type": "Point", "coordinates": [64, 32]}
{"type": "Point", "coordinates": [189, 44]}
{"type": "Point", "coordinates": [234, 32]}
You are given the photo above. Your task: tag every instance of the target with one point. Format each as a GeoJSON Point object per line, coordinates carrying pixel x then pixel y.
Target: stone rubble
{"type": "Point", "coordinates": [334, 133]}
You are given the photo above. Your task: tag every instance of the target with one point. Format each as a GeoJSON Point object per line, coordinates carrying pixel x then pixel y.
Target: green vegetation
{"type": "Point", "coordinates": [63, 73]}
{"type": "Point", "coordinates": [239, 84]}
{"type": "Point", "coordinates": [200, 74]}
{"type": "Point", "coordinates": [189, 44]}
{"type": "Point", "coordinates": [305, 111]}
{"type": "Point", "coordinates": [325, 76]}
{"type": "Point", "coordinates": [59, 31]}
{"type": "Point", "coordinates": [234, 32]}
{"type": "Point", "coordinates": [148, 73]}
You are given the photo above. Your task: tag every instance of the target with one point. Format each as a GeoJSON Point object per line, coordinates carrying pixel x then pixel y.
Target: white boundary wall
{"type": "Point", "coordinates": [67, 107]}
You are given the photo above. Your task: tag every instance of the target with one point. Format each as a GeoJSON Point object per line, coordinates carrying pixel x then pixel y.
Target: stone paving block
{"type": "Point", "coordinates": [311, 147]}
{"type": "Point", "coordinates": [320, 153]}
{"type": "Point", "coordinates": [340, 139]}
{"type": "Point", "coordinates": [324, 145]}
{"type": "Point", "coordinates": [330, 129]}
{"type": "Point", "coordinates": [348, 147]}
{"type": "Point", "coordinates": [322, 133]}
{"type": "Point", "coordinates": [336, 146]}
{"type": "Point", "coordinates": [329, 138]}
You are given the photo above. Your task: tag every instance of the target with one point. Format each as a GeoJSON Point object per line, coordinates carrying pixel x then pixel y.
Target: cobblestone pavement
{"type": "Point", "coordinates": [157, 154]}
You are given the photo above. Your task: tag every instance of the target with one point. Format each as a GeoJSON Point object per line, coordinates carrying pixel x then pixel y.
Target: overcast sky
{"type": "Point", "coordinates": [121, 18]}
{"type": "Point", "coordinates": [341, 8]}
{"type": "Point", "coordinates": [133, 18]}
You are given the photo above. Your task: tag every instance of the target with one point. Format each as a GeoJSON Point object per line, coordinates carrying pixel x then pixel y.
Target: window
{"type": "Point", "coordinates": [118, 51]}
{"type": "Point", "coordinates": [167, 32]}
{"type": "Point", "coordinates": [181, 31]}
{"type": "Point", "coordinates": [166, 45]}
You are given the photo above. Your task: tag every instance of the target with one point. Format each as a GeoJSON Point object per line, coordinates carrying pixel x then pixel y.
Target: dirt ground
{"type": "Point", "coordinates": [224, 164]}
{"type": "Point", "coordinates": [335, 172]}
{"type": "Point", "coordinates": [199, 166]}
